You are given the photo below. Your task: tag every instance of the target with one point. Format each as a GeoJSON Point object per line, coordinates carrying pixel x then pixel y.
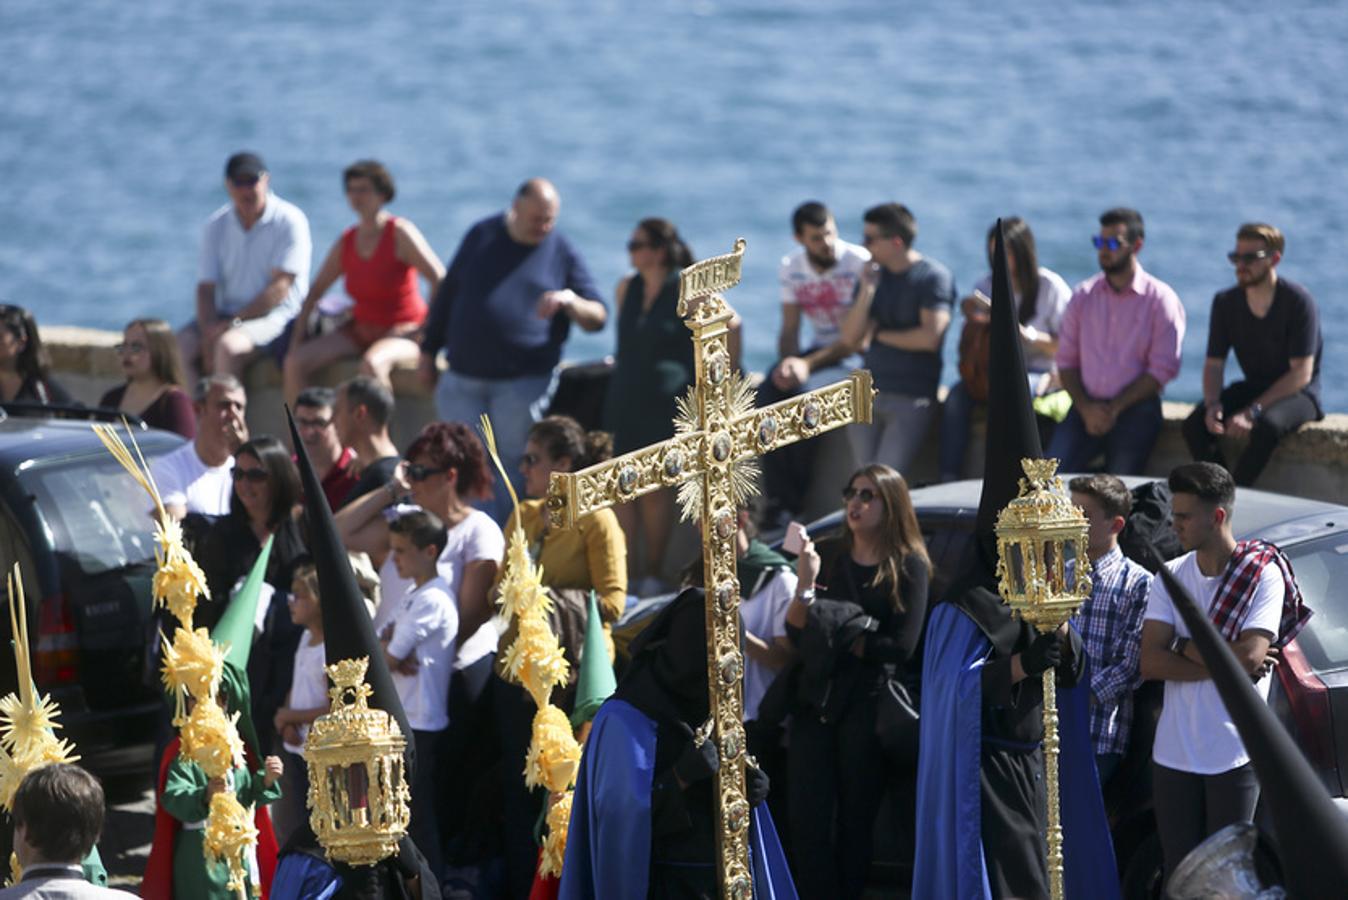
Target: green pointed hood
{"type": "Point", "coordinates": [235, 629]}
{"type": "Point", "coordinates": [596, 681]}
{"type": "Point", "coordinates": [236, 626]}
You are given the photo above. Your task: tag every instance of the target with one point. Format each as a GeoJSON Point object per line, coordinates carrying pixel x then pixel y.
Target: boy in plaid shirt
{"type": "Point", "coordinates": [1202, 777]}
{"type": "Point", "coordinates": [1110, 621]}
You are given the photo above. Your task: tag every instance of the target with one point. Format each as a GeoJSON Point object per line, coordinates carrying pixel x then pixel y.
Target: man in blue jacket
{"type": "Point", "coordinates": [501, 314]}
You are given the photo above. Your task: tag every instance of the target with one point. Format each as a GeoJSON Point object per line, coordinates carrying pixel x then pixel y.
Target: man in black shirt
{"type": "Point", "coordinates": [361, 416]}
{"type": "Point", "coordinates": [1273, 326]}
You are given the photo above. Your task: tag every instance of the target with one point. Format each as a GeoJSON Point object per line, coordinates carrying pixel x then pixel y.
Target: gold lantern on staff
{"type": "Point", "coordinates": [1044, 576]}
{"type": "Point", "coordinates": [358, 793]}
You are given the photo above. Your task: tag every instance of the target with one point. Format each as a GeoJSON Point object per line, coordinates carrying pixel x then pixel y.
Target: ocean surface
{"type": "Point", "coordinates": [116, 119]}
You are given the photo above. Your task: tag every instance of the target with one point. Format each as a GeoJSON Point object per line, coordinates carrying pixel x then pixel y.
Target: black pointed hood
{"type": "Point", "coordinates": [348, 632]}
{"type": "Point", "coordinates": [1312, 833]}
{"type": "Point", "coordinates": [1012, 434]}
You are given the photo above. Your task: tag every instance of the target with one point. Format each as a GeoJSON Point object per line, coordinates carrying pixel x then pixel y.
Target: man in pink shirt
{"type": "Point", "coordinates": [1119, 344]}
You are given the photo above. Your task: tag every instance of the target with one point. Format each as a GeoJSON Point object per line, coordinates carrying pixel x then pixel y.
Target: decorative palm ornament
{"type": "Point", "coordinates": [358, 794]}
{"type": "Point", "coordinates": [1045, 577]}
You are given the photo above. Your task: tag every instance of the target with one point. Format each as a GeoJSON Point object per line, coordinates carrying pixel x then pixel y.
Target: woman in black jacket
{"type": "Point", "coordinates": [838, 773]}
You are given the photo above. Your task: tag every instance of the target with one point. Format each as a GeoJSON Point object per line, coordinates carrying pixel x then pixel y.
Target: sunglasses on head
{"type": "Point", "coordinates": [418, 472]}
{"type": "Point", "coordinates": [865, 495]}
{"type": "Point", "coordinates": [256, 476]}
{"type": "Point", "coordinates": [1247, 258]}
{"type": "Point", "coordinates": [1112, 243]}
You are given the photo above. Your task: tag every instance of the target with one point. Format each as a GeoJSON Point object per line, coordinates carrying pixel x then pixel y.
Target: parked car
{"type": "Point", "coordinates": [1309, 694]}
{"type": "Point", "coordinates": [80, 529]}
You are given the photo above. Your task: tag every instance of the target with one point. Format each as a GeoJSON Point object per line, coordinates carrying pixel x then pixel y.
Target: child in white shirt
{"type": "Point", "coordinates": [419, 647]}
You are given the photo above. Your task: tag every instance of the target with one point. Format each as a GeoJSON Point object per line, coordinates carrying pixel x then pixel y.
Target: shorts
{"type": "Point", "coordinates": [364, 334]}
{"type": "Point", "coordinates": [262, 330]}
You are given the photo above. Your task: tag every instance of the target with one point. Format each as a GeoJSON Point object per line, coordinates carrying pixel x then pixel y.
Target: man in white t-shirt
{"type": "Point", "coordinates": [819, 281]}
{"type": "Point", "coordinates": [198, 476]}
{"type": "Point", "coordinates": [1202, 776]}
{"type": "Point", "coordinates": [252, 273]}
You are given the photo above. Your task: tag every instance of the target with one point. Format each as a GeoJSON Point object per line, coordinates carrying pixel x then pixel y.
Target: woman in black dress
{"type": "Point", "coordinates": [837, 770]}
{"type": "Point", "coordinates": [265, 503]}
{"type": "Point", "coordinates": [25, 367]}
{"type": "Point", "coordinates": [654, 368]}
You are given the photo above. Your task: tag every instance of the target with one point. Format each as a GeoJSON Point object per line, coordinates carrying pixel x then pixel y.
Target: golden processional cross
{"type": "Point", "coordinates": [712, 459]}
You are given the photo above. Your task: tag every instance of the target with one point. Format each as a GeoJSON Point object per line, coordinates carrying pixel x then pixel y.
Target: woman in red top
{"type": "Point", "coordinates": [380, 258]}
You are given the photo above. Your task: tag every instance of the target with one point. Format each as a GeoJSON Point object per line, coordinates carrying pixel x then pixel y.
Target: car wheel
{"type": "Point", "coordinates": [1144, 875]}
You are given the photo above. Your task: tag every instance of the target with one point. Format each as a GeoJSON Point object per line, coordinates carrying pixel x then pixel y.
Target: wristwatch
{"type": "Point", "coordinates": [236, 323]}
{"type": "Point", "coordinates": [1256, 409]}
{"type": "Point", "coordinates": [1177, 644]}
{"type": "Point", "coordinates": [806, 596]}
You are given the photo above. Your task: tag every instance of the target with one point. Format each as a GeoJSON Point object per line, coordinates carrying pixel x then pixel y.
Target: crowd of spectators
{"type": "Point", "coordinates": [428, 518]}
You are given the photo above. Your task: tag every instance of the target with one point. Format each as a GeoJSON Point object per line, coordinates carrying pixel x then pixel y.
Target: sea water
{"type": "Point", "coordinates": [116, 119]}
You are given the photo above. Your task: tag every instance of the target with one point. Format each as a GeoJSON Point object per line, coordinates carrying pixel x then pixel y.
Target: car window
{"type": "Point", "coordinates": [94, 513]}
{"type": "Point", "coordinates": [1318, 566]}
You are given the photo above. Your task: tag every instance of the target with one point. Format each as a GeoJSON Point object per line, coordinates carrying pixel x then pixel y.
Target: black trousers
{"type": "Point", "coordinates": [424, 828]}
{"type": "Point", "coordinates": [836, 783]}
{"type": "Point", "coordinates": [1190, 808]}
{"type": "Point", "coordinates": [465, 758]}
{"type": "Point", "coordinates": [1279, 420]}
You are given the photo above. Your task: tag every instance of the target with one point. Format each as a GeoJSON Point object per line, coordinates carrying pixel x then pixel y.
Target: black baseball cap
{"type": "Point", "coordinates": [244, 165]}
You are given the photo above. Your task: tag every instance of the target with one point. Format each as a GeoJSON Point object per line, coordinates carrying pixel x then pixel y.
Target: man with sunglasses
{"type": "Point", "coordinates": [1274, 328]}
{"type": "Point", "coordinates": [1119, 345]}
{"type": "Point", "coordinates": [252, 274]}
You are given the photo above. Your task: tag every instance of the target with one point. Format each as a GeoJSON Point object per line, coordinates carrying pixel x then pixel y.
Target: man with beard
{"type": "Point", "coordinates": [1120, 343]}
{"type": "Point", "coordinates": [1273, 326]}
{"type": "Point", "coordinates": [819, 281]}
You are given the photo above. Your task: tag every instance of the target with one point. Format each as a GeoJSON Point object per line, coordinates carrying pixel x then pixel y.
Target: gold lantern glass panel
{"type": "Point", "coordinates": [358, 792]}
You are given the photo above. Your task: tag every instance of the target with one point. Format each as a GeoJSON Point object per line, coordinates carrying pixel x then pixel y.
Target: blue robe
{"type": "Point", "coordinates": [950, 859]}
{"type": "Point", "coordinates": [608, 846]}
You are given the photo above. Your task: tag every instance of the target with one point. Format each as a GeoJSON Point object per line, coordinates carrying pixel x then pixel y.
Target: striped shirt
{"type": "Point", "coordinates": [1110, 624]}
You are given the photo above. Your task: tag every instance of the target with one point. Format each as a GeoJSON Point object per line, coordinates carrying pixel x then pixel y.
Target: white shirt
{"type": "Point", "coordinates": [764, 615]}
{"type": "Point", "coordinates": [308, 685]}
{"type": "Point", "coordinates": [423, 626]}
{"type": "Point", "coordinates": [184, 480]}
{"type": "Point", "coordinates": [240, 263]}
{"type": "Point", "coordinates": [1195, 734]}
{"type": "Point", "coordinates": [476, 537]}
{"type": "Point", "coordinates": [823, 297]}
{"type": "Point", "coordinates": [1048, 310]}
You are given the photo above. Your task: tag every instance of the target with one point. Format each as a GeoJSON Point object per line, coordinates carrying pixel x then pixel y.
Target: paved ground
{"type": "Point", "coordinates": [127, 830]}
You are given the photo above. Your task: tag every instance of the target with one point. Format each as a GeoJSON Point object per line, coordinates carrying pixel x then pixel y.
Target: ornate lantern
{"type": "Point", "coordinates": [358, 793]}
{"type": "Point", "coordinates": [1044, 576]}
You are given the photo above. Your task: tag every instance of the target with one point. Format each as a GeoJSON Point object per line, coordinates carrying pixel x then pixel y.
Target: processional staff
{"type": "Point", "coordinates": [712, 460]}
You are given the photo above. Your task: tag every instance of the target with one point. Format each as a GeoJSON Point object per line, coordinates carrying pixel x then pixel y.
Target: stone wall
{"type": "Point", "coordinates": [1312, 463]}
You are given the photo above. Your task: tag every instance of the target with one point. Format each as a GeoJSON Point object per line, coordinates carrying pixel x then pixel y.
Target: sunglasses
{"type": "Point", "coordinates": [634, 246]}
{"type": "Point", "coordinates": [256, 476]}
{"type": "Point", "coordinates": [132, 347]}
{"type": "Point", "coordinates": [1113, 243]}
{"type": "Point", "coordinates": [418, 472]}
{"type": "Point", "coordinates": [245, 181]}
{"type": "Point", "coordinates": [313, 423]}
{"type": "Point", "coordinates": [865, 495]}
{"type": "Point", "coordinates": [1247, 258]}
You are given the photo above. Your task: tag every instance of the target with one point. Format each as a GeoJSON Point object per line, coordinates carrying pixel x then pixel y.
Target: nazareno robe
{"type": "Point", "coordinates": [623, 844]}
{"type": "Point", "coordinates": [981, 803]}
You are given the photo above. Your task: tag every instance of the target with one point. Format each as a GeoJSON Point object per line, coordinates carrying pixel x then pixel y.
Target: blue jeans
{"type": "Point", "coordinates": [956, 415]}
{"type": "Point", "coordinates": [1126, 446]}
{"type": "Point", "coordinates": [513, 404]}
